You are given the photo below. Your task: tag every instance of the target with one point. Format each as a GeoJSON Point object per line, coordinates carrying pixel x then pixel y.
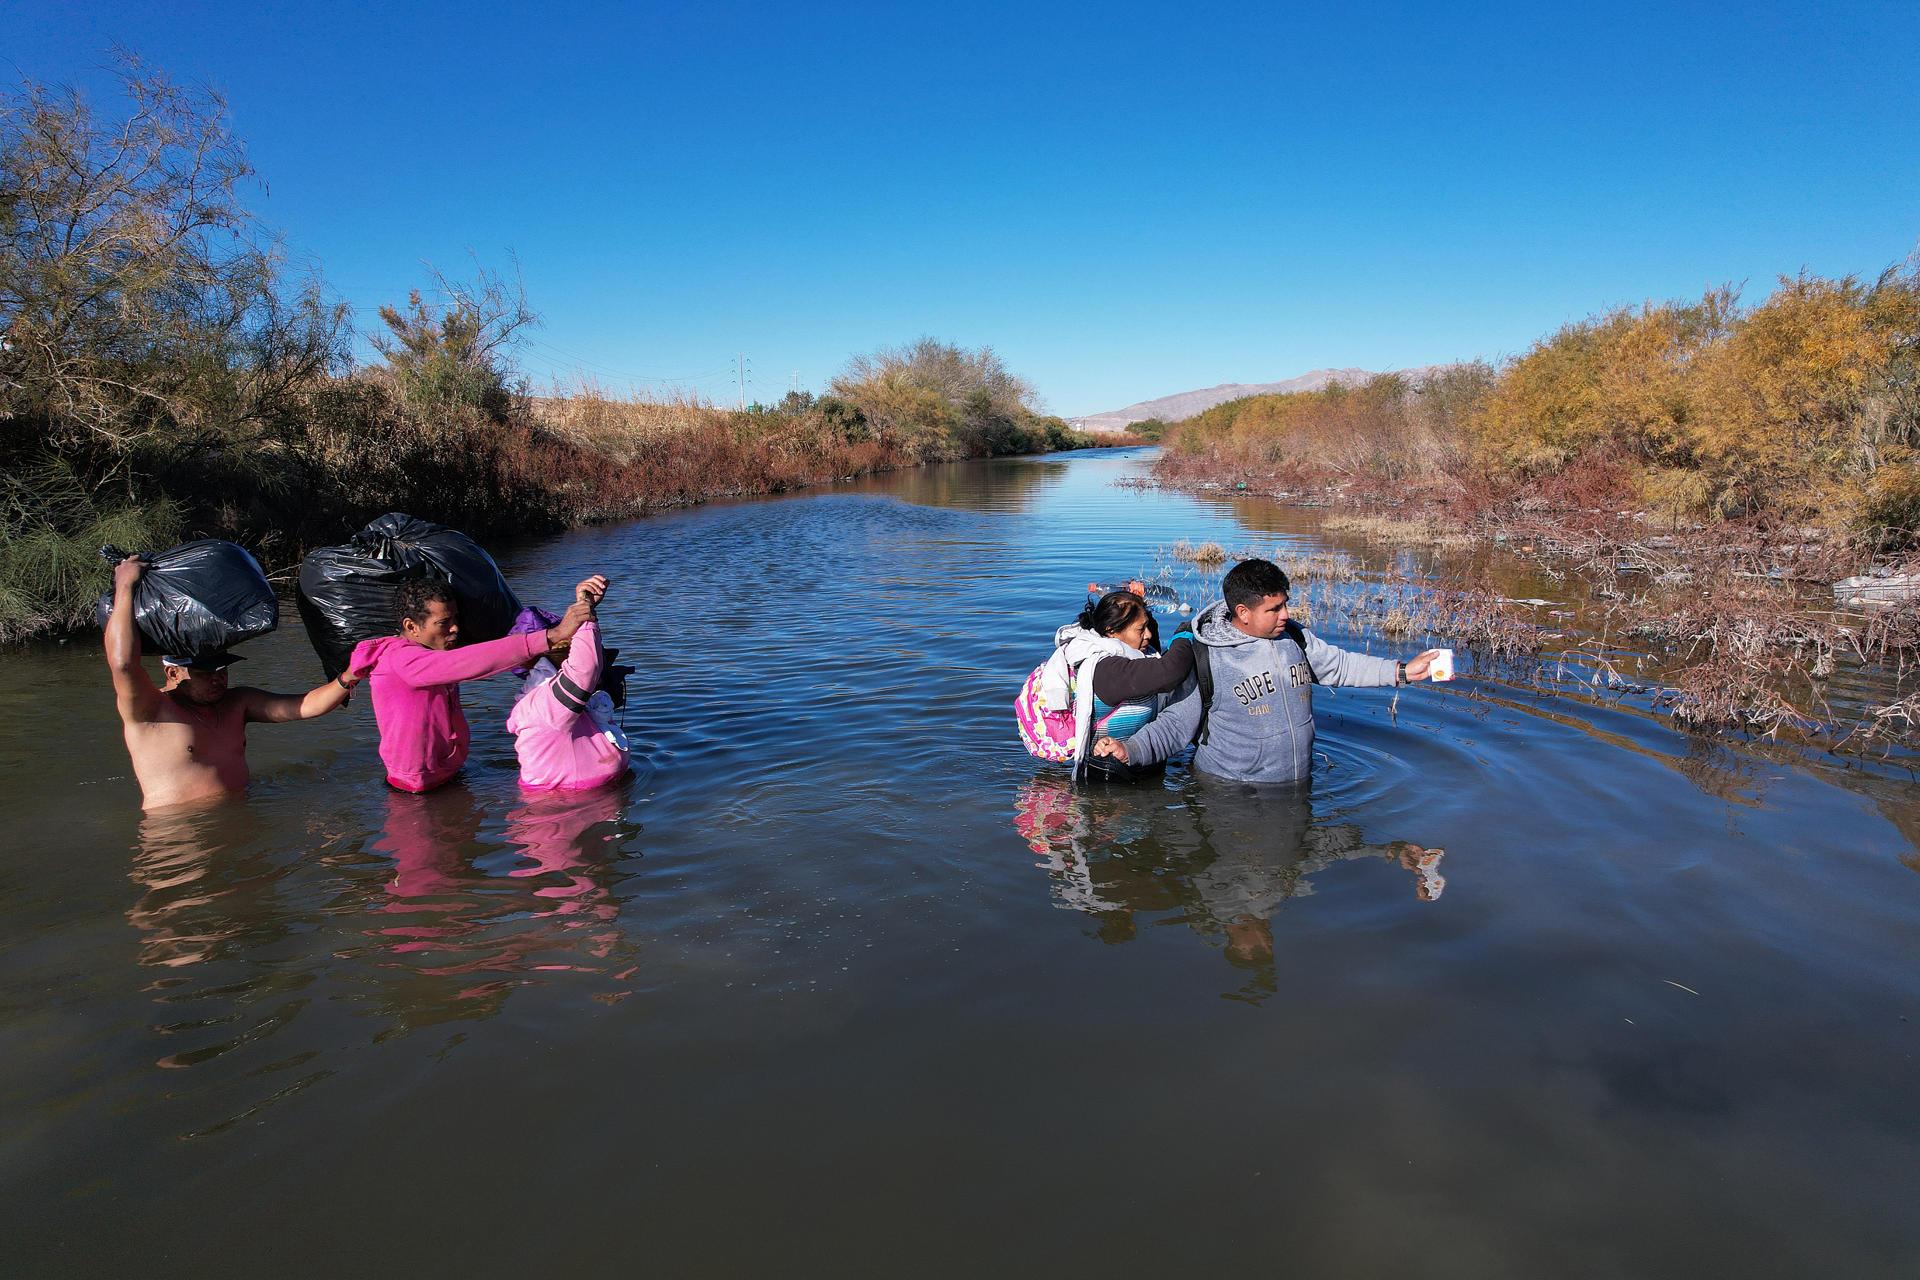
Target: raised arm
{"type": "Point", "coordinates": [582, 667]}
{"type": "Point", "coordinates": [422, 668]}
{"type": "Point", "coordinates": [134, 692]}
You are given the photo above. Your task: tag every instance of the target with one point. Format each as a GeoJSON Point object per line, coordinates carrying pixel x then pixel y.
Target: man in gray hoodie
{"type": "Point", "coordinates": [1259, 724]}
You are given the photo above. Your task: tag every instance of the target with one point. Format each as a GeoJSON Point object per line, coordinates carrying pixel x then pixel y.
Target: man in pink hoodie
{"type": "Point", "coordinates": [563, 723]}
{"type": "Point", "coordinates": [416, 679]}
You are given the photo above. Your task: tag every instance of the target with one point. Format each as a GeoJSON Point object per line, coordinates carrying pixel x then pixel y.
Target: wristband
{"type": "Point", "coordinates": [1400, 672]}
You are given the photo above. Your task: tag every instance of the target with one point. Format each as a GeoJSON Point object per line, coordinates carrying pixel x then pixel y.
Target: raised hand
{"type": "Point", "coordinates": [592, 590]}
{"type": "Point", "coordinates": [578, 614]}
{"type": "Point", "coordinates": [128, 572]}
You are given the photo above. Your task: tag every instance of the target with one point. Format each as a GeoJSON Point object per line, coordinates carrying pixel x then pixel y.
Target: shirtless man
{"type": "Point", "coordinates": [188, 739]}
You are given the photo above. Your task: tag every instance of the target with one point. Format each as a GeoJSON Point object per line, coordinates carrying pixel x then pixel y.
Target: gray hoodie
{"type": "Point", "coordinates": [1260, 726]}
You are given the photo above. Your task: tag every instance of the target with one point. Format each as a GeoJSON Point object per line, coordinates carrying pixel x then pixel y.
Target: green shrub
{"type": "Point", "coordinates": [51, 533]}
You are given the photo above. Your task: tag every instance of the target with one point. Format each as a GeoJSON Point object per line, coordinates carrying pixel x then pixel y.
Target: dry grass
{"type": "Point", "coordinates": [1419, 530]}
{"type": "Point", "coordinates": [1204, 554]}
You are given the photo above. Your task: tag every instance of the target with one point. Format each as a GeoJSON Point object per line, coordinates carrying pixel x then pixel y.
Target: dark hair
{"type": "Point", "coordinates": [1112, 611]}
{"type": "Point", "coordinates": [411, 600]}
{"type": "Point", "coordinates": [1252, 581]}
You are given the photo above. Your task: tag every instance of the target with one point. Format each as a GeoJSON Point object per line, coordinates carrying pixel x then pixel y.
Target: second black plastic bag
{"type": "Point", "coordinates": [346, 592]}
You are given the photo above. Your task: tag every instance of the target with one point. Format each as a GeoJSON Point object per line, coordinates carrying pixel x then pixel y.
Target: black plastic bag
{"type": "Point", "coordinates": [346, 592]}
{"type": "Point", "coordinates": [197, 598]}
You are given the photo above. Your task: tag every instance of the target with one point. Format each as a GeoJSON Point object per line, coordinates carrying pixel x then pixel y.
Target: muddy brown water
{"type": "Point", "coordinates": [841, 982]}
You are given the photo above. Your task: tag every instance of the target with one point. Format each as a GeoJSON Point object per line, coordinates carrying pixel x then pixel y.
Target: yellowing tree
{"type": "Point", "coordinates": [1618, 383]}
{"type": "Point", "coordinates": [1784, 417]}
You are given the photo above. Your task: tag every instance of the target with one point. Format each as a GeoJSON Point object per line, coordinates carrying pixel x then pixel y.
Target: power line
{"type": "Point", "coordinates": [628, 374]}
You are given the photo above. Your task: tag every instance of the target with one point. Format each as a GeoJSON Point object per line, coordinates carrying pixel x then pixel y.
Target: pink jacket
{"type": "Point", "coordinates": [559, 744]}
{"type": "Point", "coordinates": [416, 700]}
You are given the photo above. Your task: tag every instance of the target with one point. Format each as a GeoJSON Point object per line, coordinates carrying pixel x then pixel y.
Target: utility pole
{"type": "Point", "coordinates": [793, 383]}
{"type": "Point", "coordinates": [741, 364]}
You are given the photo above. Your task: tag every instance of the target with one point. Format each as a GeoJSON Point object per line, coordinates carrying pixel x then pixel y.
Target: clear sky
{"type": "Point", "coordinates": [1123, 200]}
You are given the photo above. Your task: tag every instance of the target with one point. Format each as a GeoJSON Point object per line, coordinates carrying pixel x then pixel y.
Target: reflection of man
{"type": "Point", "coordinates": [188, 738]}
{"type": "Point", "coordinates": [186, 914]}
{"type": "Point", "coordinates": [1226, 859]}
{"type": "Point", "coordinates": [1258, 724]}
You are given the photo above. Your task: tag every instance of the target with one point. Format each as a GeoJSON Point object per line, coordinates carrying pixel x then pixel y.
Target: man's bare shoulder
{"type": "Point", "coordinates": [172, 710]}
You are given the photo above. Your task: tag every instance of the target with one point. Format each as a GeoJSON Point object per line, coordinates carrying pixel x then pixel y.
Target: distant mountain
{"type": "Point", "coordinates": [1185, 404]}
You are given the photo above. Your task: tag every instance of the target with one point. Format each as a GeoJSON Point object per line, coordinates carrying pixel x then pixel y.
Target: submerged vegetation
{"type": "Point", "coordinates": [166, 370]}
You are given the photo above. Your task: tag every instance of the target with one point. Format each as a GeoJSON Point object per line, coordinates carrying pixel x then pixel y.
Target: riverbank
{"type": "Point", "coordinates": [1728, 626]}
{"type": "Point", "coordinates": [355, 449]}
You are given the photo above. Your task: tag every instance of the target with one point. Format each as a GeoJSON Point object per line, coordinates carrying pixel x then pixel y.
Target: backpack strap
{"type": "Point", "coordinates": [1294, 633]}
{"type": "Point", "coordinates": [1203, 672]}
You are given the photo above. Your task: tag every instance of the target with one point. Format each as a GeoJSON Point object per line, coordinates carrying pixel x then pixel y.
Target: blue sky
{"type": "Point", "coordinates": [1124, 201]}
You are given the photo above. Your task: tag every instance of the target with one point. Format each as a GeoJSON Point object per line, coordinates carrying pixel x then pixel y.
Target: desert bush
{"type": "Point", "coordinates": [153, 332]}
{"type": "Point", "coordinates": [1786, 410]}
{"type": "Point", "coordinates": [1801, 403]}
{"type": "Point", "coordinates": [455, 353]}
{"type": "Point", "coordinates": [1388, 427]}
{"type": "Point", "coordinates": [936, 400]}
{"type": "Point", "coordinates": [1805, 408]}
{"type": "Point", "coordinates": [138, 297]}
{"type": "Point", "coordinates": [1061, 436]}
{"type": "Point", "coordinates": [1618, 383]}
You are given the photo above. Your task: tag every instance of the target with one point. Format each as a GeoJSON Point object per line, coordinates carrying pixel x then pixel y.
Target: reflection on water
{"type": "Point", "coordinates": [545, 908]}
{"type": "Point", "coordinates": [1661, 1020]}
{"type": "Point", "coordinates": [192, 911]}
{"type": "Point", "coordinates": [441, 918]}
{"type": "Point", "coordinates": [1222, 859]}
{"type": "Point", "coordinates": [1012, 486]}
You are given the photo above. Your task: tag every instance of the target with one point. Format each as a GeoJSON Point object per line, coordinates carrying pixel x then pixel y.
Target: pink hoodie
{"type": "Point", "coordinates": [416, 700]}
{"type": "Point", "coordinates": [559, 744]}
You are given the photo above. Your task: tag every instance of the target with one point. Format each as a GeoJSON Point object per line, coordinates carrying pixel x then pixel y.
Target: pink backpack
{"type": "Point", "coordinates": [1046, 734]}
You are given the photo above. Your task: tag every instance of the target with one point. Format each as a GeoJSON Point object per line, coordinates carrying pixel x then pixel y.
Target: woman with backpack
{"type": "Point", "coordinates": [1104, 679]}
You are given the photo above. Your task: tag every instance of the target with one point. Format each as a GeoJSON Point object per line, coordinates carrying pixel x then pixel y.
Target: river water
{"type": "Point", "coordinates": [842, 982]}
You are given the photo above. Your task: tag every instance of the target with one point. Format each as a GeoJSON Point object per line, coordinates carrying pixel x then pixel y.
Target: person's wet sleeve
{"type": "Point", "coordinates": [1117, 680]}
{"type": "Point", "coordinates": [582, 667]}
{"type": "Point", "coordinates": [1170, 731]}
{"type": "Point", "coordinates": [1341, 666]}
{"type": "Point", "coordinates": [422, 667]}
